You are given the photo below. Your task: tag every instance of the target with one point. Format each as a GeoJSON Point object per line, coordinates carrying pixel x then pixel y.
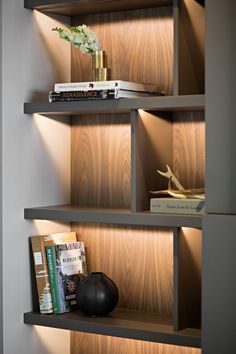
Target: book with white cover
{"type": "Point", "coordinates": [177, 206]}
{"type": "Point", "coordinates": [104, 85]}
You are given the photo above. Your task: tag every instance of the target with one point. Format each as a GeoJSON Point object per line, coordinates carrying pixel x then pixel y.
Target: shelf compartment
{"type": "Point", "coordinates": [72, 8]}
{"type": "Point", "coordinates": [120, 323]}
{"type": "Point", "coordinates": [101, 161]}
{"type": "Point", "coordinates": [166, 103]}
{"type": "Point", "coordinates": [176, 139]}
{"type": "Point", "coordinates": [125, 35]}
{"type": "Point", "coordinates": [113, 216]}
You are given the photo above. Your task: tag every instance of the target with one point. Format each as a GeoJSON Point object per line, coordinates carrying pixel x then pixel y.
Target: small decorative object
{"type": "Point", "coordinates": [97, 294]}
{"type": "Point", "coordinates": [83, 38]}
{"type": "Point", "coordinates": [100, 71]}
{"type": "Point", "coordinates": [180, 192]}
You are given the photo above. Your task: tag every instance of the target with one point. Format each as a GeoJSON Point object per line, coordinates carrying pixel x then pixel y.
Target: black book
{"type": "Point", "coordinates": [93, 95]}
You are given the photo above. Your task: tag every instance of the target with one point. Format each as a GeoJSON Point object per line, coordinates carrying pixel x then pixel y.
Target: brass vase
{"type": "Point", "coordinates": [100, 71]}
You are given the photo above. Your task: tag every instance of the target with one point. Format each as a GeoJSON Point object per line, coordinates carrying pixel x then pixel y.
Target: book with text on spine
{"type": "Point", "coordinates": [94, 94]}
{"type": "Point", "coordinates": [177, 206]}
{"type": "Point", "coordinates": [104, 85]}
{"type": "Point", "coordinates": [38, 244]}
{"type": "Point", "coordinates": [66, 267]}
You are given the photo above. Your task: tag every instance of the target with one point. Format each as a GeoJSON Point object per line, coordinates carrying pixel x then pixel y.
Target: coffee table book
{"type": "Point", "coordinates": [104, 85]}
{"type": "Point", "coordinates": [177, 206]}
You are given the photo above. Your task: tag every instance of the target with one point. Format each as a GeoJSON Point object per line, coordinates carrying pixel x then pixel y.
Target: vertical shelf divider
{"type": "Point", "coordinates": [176, 279]}
{"type": "Point", "coordinates": [134, 164]}
{"type": "Point", "coordinates": [191, 33]}
{"type": "Point", "coordinates": [151, 149]}
{"type": "Point", "coordinates": [187, 278]}
{"type": "Point", "coordinates": [176, 48]}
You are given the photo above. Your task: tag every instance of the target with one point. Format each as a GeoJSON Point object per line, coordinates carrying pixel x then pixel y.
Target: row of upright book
{"type": "Point", "coordinates": [112, 89]}
{"type": "Point", "coordinates": [59, 264]}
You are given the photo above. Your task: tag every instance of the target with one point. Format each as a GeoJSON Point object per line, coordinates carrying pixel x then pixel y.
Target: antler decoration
{"type": "Point", "coordinates": [171, 178]}
{"type": "Point", "coordinates": [181, 192]}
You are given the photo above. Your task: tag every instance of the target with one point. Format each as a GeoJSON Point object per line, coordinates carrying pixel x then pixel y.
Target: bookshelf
{"type": "Point", "coordinates": [121, 323]}
{"type": "Point", "coordinates": [170, 103]}
{"type": "Point", "coordinates": [113, 216]}
{"type": "Point", "coordinates": [116, 148]}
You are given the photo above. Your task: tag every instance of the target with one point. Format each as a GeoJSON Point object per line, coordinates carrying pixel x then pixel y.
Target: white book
{"type": "Point", "coordinates": [104, 85]}
{"type": "Point", "coordinates": [131, 94]}
{"type": "Point", "coordinates": [177, 206]}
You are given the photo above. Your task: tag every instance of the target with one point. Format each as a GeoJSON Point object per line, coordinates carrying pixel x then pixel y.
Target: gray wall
{"type": "Point", "coordinates": [36, 170]}
{"type": "Point", "coordinates": [219, 239]}
{"type": "Point", "coordinates": [220, 106]}
{"type": "Point", "coordinates": [219, 285]}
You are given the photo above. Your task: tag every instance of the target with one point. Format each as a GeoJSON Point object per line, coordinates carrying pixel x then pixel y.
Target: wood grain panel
{"type": "Point", "coordinates": [152, 150]}
{"type": "Point", "coordinates": [96, 344]}
{"type": "Point", "coordinates": [189, 148]}
{"type": "Point", "coordinates": [139, 260]}
{"type": "Point", "coordinates": [139, 45]}
{"type": "Point", "coordinates": [101, 161]}
{"type": "Point", "coordinates": [189, 277]}
{"type": "Point", "coordinates": [191, 47]}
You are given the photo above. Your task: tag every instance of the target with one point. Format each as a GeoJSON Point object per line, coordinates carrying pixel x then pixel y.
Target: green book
{"type": "Point", "coordinates": [52, 271]}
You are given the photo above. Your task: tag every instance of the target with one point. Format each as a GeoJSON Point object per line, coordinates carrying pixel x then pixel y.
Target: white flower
{"type": "Point", "coordinates": [81, 37]}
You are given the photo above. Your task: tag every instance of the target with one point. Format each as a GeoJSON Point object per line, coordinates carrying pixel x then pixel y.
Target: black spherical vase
{"type": "Point", "coordinates": [97, 294]}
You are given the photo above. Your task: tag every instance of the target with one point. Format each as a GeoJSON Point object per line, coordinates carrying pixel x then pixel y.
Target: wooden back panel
{"type": "Point", "coordinates": [189, 148]}
{"type": "Point", "coordinates": [100, 168]}
{"type": "Point", "coordinates": [84, 343]}
{"type": "Point", "coordinates": [191, 47]}
{"type": "Point", "coordinates": [139, 45]}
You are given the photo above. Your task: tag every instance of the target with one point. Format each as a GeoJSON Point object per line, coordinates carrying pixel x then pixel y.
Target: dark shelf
{"type": "Point", "coordinates": [166, 103]}
{"type": "Point", "coordinates": [121, 323]}
{"type": "Point", "coordinates": [111, 216]}
{"type": "Point", "coordinates": [81, 7]}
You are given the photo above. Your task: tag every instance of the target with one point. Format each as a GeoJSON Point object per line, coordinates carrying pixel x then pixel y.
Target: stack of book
{"type": "Point", "coordinates": [112, 89]}
{"type": "Point", "coordinates": [59, 264]}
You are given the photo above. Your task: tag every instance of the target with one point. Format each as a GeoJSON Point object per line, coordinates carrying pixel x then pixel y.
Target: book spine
{"type": "Point", "coordinates": [80, 95]}
{"type": "Point", "coordinates": [52, 269]}
{"type": "Point", "coordinates": [41, 275]}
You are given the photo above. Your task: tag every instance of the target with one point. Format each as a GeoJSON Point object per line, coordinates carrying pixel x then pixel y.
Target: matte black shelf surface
{"type": "Point", "coordinates": [120, 323]}
{"type": "Point", "coordinates": [166, 103]}
{"type": "Point", "coordinates": [81, 7]}
{"type": "Point", "coordinates": [111, 216]}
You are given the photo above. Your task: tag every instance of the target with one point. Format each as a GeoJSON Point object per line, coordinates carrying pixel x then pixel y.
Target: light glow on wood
{"type": "Point", "coordinates": [43, 227]}
{"type": "Point", "coordinates": [53, 340]}
{"type": "Point", "coordinates": [97, 344]}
